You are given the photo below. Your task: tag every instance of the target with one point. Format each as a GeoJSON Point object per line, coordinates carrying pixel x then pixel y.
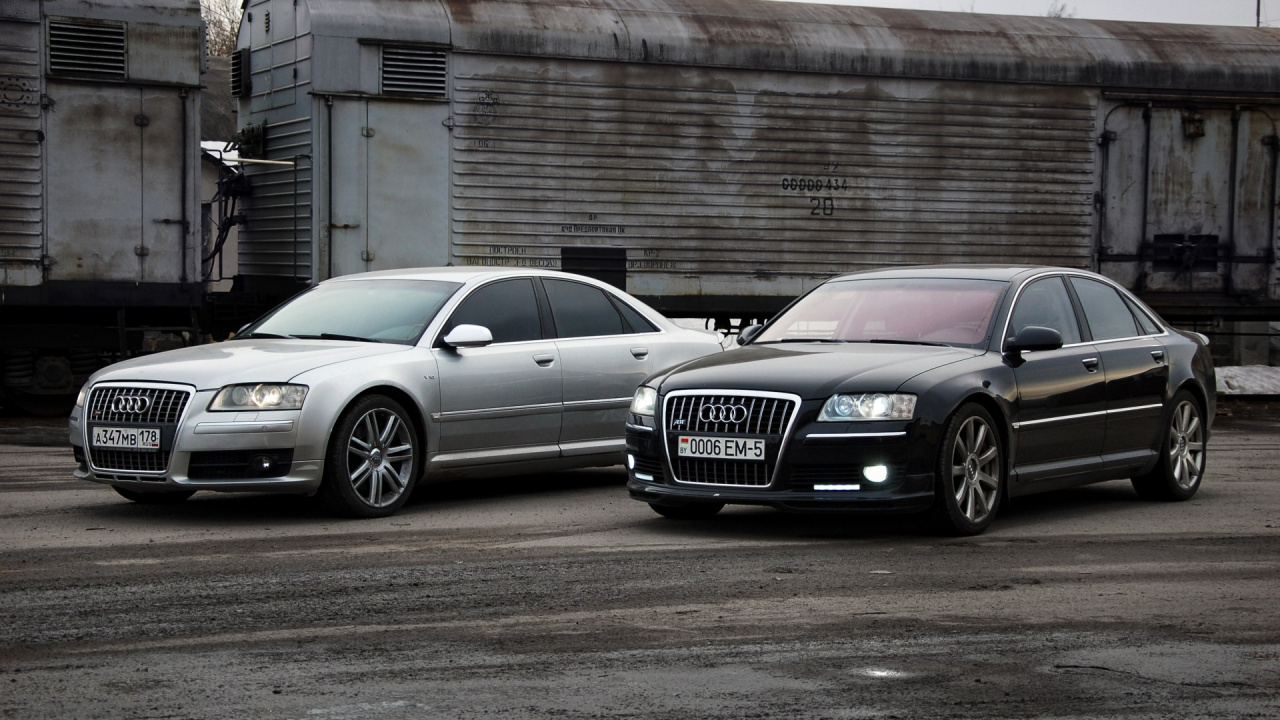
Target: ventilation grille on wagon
{"type": "Point", "coordinates": [413, 71]}
{"type": "Point", "coordinates": [83, 48]}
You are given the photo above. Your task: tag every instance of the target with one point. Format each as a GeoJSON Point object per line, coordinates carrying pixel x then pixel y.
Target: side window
{"type": "Point", "coordinates": [581, 310]}
{"type": "Point", "coordinates": [1145, 323]}
{"type": "Point", "coordinates": [1045, 303]}
{"type": "Point", "coordinates": [634, 319]}
{"type": "Point", "coordinates": [1107, 314]}
{"type": "Point", "coordinates": [508, 308]}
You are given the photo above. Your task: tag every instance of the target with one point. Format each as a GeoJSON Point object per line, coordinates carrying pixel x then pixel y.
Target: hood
{"type": "Point", "coordinates": [241, 361]}
{"type": "Point", "coordinates": [811, 370]}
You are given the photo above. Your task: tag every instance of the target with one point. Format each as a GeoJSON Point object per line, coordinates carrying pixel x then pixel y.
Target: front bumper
{"type": "Point", "coordinates": [813, 474]}
{"type": "Point", "coordinates": [220, 451]}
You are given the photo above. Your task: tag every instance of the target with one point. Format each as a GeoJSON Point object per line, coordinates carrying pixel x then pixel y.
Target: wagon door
{"type": "Point", "coordinates": [114, 210]}
{"type": "Point", "coordinates": [390, 209]}
{"type": "Point", "coordinates": [1187, 199]}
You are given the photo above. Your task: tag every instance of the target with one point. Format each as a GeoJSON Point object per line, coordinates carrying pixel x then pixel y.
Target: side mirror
{"type": "Point", "coordinates": [465, 336]}
{"type": "Point", "coordinates": [1034, 337]}
{"type": "Point", "coordinates": [749, 333]}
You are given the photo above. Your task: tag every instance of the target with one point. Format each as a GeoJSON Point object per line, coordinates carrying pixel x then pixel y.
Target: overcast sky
{"type": "Point", "coordinates": [1203, 12]}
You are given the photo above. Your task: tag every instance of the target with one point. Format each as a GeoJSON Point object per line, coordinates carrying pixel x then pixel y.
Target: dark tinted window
{"type": "Point", "coordinates": [508, 308]}
{"type": "Point", "coordinates": [581, 310]}
{"type": "Point", "coordinates": [1145, 322]}
{"type": "Point", "coordinates": [1107, 314]}
{"type": "Point", "coordinates": [1045, 303]}
{"type": "Point", "coordinates": [635, 319]}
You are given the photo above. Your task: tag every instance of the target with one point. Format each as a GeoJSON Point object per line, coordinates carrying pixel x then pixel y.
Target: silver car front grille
{"type": "Point", "coordinates": [134, 406]}
{"type": "Point", "coordinates": [727, 415]}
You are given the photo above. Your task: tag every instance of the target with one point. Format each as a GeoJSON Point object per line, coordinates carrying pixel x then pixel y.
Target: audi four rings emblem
{"type": "Point", "coordinates": [130, 404]}
{"type": "Point", "coordinates": [722, 413]}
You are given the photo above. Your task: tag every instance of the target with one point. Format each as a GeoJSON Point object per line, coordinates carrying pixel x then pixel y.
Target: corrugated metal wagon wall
{"type": "Point", "coordinates": [21, 197]}
{"type": "Point", "coordinates": [710, 183]}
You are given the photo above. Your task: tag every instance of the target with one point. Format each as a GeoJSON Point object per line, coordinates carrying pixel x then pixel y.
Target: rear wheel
{"type": "Point", "coordinates": [372, 461]}
{"type": "Point", "coordinates": [1177, 473]}
{"type": "Point", "coordinates": [154, 498]}
{"type": "Point", "coordinates": [970, 473]}
{"type": "Point", "coordinates": [688, 511]}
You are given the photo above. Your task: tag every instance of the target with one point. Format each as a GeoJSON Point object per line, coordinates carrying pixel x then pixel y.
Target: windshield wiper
{"type": "Point", "coordinates": [337, 336]}
{"type": "Point", "coordinates": [887, 341]}
{"type": "Point", "coordinates": [268, 336]}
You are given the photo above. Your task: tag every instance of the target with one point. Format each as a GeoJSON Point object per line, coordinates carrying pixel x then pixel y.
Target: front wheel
{"type": "Point", "coordinates": [1177, 473]}
{"type": "Point", "coordinates": [372, 461]}
{"type": "Point", "coordinates": [154, 498]}
{"type": "Point", "coordinates": [688, 511]}
{"type": "Point", "coordinates": [970, 473]}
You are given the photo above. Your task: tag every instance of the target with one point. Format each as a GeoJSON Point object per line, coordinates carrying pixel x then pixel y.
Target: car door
{"type": "Point", "coordinates": [1136, 368]}
{"type": "Point", "coordinates": [605, 349]}
{"type": "Point", "coordinates": [1061, 410]}
{"type": "Point", "coordinates": [501, 402]}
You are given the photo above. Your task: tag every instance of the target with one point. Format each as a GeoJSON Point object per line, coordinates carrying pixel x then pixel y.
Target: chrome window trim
{"type": "Point", "coordinates": [1008, 318]}
{"type": "Point", "coordinates": [782, 446]}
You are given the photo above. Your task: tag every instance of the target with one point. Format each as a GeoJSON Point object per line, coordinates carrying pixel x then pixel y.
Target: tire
{"type": "Point", "coordinates": [688, 511]}
{"type": "Point", "coordinates": [373, 459]}
{"type": "Point", "coordinates": [1180, 468]}
{"type": "Point", "coordinates": [970, 473]}
{"type": "Point", "coordinates": [154, 498]}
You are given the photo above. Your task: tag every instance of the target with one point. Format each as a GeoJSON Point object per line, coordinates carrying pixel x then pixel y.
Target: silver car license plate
{"type": "Point", "coordinates": [127, 438]}
{"type": "Point", "coordinates": [715, 448]}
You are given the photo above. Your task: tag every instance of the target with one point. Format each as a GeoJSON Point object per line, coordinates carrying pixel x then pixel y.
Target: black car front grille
{"type": "Point", "coordinates": [716, 415]}
{"type": "Point", "coordinates": [650, 467]}
{"type": "Point", "coordinates": [134, 407]}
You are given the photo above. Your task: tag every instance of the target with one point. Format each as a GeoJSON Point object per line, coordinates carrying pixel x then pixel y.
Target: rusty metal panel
{"type": "Point", "coordinates": [723, 182]}
{"type": "Point", "coordinates": [21, 188]}
{"type": "Point", "coordinates": [1189, 198]}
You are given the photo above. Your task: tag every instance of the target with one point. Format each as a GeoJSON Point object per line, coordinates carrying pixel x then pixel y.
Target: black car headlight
{"type": "Point", "coordinates": [868, 406]}
{"type": "Point", "coordinates": [645, 402]}
{"type": "Point", "coordinates": [259, 396]}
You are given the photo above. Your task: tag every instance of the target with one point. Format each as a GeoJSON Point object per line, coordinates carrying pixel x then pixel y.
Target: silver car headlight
{"type": "Point", "coordinates": [84, 393]}
{"type": "Point", "coordinates": [259, 396]}
{"type": "Point", "coordinates": [868, 406]}
{"type": "Point", "coordinates": [645, 402]}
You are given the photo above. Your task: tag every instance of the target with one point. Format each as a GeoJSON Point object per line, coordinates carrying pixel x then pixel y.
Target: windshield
{"type": "Point", "coordinates": [929, 311]}
{"type": "Point", "coordinates": [392, 311]}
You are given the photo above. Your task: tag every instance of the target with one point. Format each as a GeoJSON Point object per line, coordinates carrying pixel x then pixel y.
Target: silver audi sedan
{"type": "Point", "coordinates": [363, 385]}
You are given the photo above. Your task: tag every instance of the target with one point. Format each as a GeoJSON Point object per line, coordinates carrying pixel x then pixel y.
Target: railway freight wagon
{"type": "Point", "coordinates": [99, 212]}
{"type": "Point", "coordinates": [718, 157]}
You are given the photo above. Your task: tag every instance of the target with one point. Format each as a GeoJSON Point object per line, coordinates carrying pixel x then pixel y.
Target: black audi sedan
{"type": "Point", "coordinates": [946, 389]}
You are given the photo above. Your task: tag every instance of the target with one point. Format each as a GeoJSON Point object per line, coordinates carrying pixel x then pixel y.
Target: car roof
{"type": "Point", "coordinates": [457, 274]}
{"type": "Point", "coordinates": [1003, 273]}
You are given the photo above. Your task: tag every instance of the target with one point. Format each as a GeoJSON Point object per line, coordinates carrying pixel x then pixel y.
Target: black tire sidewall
{"type": "Point", "coordinates": [950, 518]}
{"type": "Point", "coordinates": [335, 488]}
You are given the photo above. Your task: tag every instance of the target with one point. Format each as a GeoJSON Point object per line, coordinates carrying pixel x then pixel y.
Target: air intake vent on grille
{"type": "Point", "coordinates": [413, 71]}
{"type": "Point", "coordinates": [84, 48]}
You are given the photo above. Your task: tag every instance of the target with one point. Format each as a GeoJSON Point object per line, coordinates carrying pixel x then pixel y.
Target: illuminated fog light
{"type": "Point", "coordinates": [824, 488]}
{"type": "Point", "coordinates": [644, 477]}
{"type": "Point", "coordinates": [875, 473]}
{"type": "Point", "coordinates": [631, 461]}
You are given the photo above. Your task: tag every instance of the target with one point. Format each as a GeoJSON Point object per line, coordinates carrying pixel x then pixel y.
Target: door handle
{"type": "Point", "coordinates": [639, 353]}
{"type": "Point", "coordinates": [1090, 364]}
{"type": "Point", "coordinates": [544, 360]}
{"type": "Point", "coordinates": [1158, 356]}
